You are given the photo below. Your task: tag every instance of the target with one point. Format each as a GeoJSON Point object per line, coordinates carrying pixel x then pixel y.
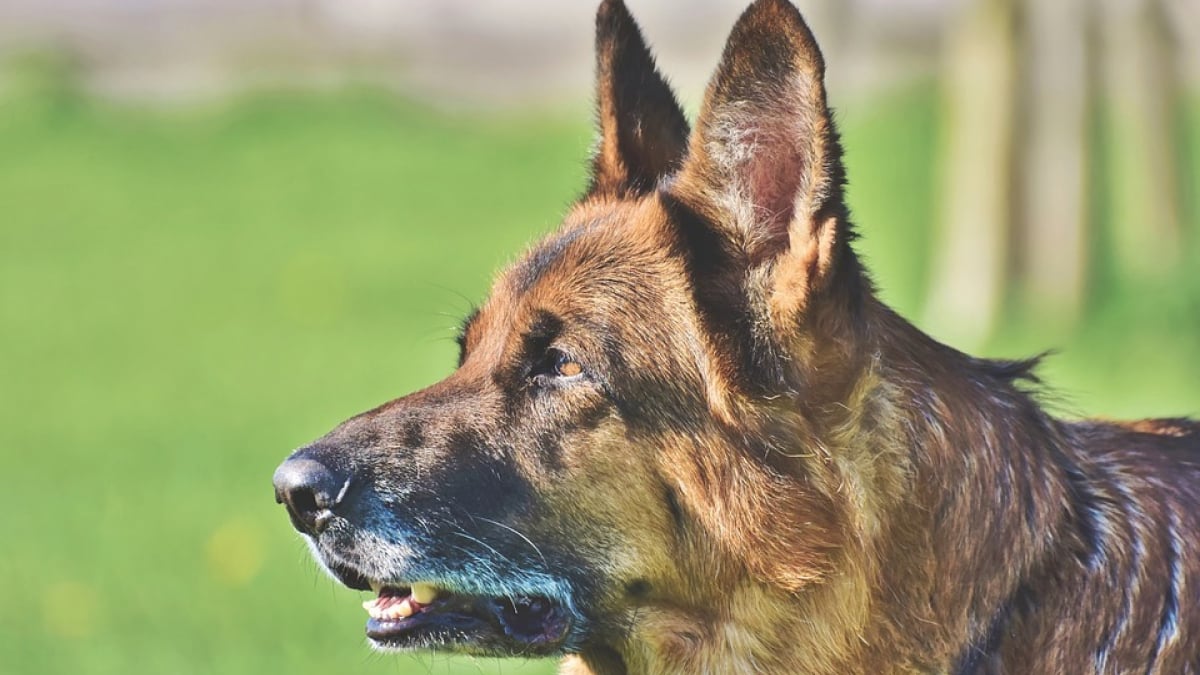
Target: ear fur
{"type": "Point", "coordinates": [643, 131]}
{"type": "Point", "coordinates": [764, 165]}
{"type": "Point", "coordinates": [758, 204]}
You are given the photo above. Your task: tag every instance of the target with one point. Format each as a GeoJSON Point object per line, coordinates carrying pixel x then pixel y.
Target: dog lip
{"type": "Point", "coordinates": [524, 625]}
{"type": "Point", "coordinates": [499, 624]}
{"type": "Point", "coordinates": [439, 613]}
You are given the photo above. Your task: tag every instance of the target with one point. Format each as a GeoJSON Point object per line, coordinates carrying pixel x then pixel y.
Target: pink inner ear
{"type": "Point", "coordinates": [771, 176]}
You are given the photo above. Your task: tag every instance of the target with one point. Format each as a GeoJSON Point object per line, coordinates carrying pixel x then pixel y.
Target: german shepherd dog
{"type": "Point", "coordinates": [685, 437]}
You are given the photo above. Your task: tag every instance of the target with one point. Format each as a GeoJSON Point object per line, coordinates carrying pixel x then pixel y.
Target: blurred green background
{"type": "Point", "coordinates": [189, 292]}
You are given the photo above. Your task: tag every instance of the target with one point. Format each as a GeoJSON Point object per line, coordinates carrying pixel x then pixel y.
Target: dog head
{"type": "Point", "coordinates": [644, 408]}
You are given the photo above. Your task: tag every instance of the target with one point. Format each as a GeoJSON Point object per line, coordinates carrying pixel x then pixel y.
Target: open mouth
{"type": "Point", "coordinates": [423, 616]}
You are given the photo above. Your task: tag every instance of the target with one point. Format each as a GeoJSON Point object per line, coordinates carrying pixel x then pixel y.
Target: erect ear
{"type": "Point", "coordinates": [764, 170]}
{"type": "Point", "coordinates": [643, 132]}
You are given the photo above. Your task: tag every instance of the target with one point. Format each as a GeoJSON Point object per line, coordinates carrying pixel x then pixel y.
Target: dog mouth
{"type": "Point", "coordinates": [423, 616]}
{"type": "Point", "coordinates": [418, 615]}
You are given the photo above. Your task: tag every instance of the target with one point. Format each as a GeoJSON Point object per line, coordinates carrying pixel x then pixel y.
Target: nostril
{"type": "Point", "coordinates": [304, 501]}
{"type": "Point", "coordinates": [310, 490]}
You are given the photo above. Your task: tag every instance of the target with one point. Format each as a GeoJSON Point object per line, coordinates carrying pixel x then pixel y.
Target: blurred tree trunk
{"type": "Point", "coordinates": [1183, 21]}
{"type": "Point", "coordinates": [1141, 93]}
{"type": "Point", "coordinates": [970, 260]}
{"type": "Point", "coordinates": [1050, 247]}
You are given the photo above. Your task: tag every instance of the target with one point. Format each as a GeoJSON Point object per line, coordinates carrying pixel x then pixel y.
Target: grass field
{"type": "Point", "coordinates": [187, 295]}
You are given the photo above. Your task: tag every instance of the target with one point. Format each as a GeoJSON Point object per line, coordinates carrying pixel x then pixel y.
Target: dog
{"type": "Point", "coordinates": [685, 437]}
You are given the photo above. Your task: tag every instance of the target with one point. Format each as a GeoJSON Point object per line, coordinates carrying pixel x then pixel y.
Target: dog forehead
{"type": "Point", "coordinates": [606, 263]}
{"type": "Point", "coordinates": [599, 247]}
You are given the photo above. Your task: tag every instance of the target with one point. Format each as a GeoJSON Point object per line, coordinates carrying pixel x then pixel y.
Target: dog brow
{"type": "Point", "coordinates": [545, 327]}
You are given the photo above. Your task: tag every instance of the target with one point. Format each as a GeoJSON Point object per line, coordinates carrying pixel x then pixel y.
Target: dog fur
{"type": "Point", "coordinates": [687, 421]}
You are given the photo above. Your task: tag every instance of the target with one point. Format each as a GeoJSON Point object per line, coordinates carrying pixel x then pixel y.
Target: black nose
{"type": "Point", "coordinates": [310, 490]}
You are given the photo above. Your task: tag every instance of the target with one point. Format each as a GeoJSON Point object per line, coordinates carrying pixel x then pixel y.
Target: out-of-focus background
{"type": "Point", "coordinates": [226, 225]}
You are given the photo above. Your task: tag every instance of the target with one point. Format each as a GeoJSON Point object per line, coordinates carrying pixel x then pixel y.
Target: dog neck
{"type": "Point", "coordinates": [973, 438]}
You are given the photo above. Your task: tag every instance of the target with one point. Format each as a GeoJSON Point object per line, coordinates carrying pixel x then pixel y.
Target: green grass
{"type": "Point", "coordinates": [186, 296]}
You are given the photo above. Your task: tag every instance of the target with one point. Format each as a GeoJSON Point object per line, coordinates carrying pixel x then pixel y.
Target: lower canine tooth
{"type": "Point", "coordinates": [423, 594]}
{"type": "Point", "coordinates": [404, 609]}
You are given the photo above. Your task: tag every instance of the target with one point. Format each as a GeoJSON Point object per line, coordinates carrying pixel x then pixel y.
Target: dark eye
{"type": "Point", "coordinates": [556, 364]}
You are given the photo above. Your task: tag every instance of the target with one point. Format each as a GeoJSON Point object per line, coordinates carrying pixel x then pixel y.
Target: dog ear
{"type": "Point", "coordinates": [763, 172]}
{"type": "Point", "coordinates": [643, 132]}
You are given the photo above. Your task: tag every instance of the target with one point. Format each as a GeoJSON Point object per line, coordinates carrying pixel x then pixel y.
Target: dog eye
{"type": "Point", "coordinates": [568, 368]}
{"type": "Point", "coordinates": [556, 364]}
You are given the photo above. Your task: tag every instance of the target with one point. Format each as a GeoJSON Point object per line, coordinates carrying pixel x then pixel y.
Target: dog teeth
{"type": "Point", "coordinates": [388, 609]}
{"type": "Point", "coordinates": [376, 586]}
{"type": "Point", "coordinates": [423, 594]}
